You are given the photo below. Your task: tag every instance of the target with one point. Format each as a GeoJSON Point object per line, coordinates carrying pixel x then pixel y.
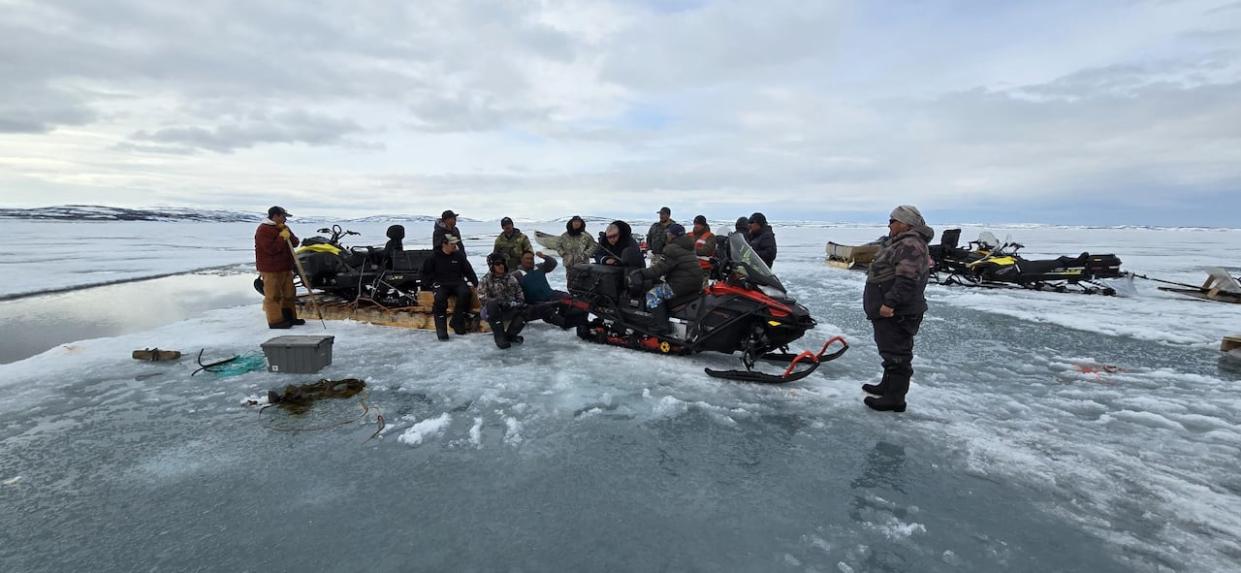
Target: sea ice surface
{"type": "Point", "coordinates": [1045, 432]}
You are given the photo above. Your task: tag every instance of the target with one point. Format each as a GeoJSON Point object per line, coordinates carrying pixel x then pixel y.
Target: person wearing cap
{"type": "Point", "coordinates": [743, 225]}
{"type": "Point", "coordinates": [762, 239]}
{"type": "Point", "coordinates": [446, 226]}
{"type": "Point", "coordinates": [448, 273]}
{"type": "Point", "coordinates": [657, 236]}
{"type": "Point", "coordinates": [576, 245]}
{"type": "Point", "coordinates": [503, 301]}
{"type": "Point", "coordinates": [273, 258]}
{"type": "Point", "coordinates": [680, 271]}
{"type": "Point", "coordinates": [704, 242]}
{"type": "Point", "coordinates": [895, 302]}
{"type": "Point", "coordinates": [511, 243]}
{"type": "Point", "coordinates": [741, 228]}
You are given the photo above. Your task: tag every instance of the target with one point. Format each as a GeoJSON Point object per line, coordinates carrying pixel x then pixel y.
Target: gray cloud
{"type": "Point", "coordinates": [536, 105]}
{"type": "Point", "coordinates": [280, 127]}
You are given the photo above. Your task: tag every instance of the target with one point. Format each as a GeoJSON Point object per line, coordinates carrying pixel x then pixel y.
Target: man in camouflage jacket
{"type": "Point", "coordinates": [894, 302]}
{"type": "Point", "coordinates": [502, 300]}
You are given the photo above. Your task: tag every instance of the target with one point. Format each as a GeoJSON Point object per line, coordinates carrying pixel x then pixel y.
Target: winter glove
{"type": "Point", "coordinates": [284, 233]}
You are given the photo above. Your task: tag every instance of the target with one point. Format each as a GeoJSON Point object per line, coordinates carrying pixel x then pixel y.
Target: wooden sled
{"type": "Point", "coordinates": [851, 256]}
{"type": "Point", "coordinates": [418, 316]}
{"type": "Point", "coordinates": [1220, 286]}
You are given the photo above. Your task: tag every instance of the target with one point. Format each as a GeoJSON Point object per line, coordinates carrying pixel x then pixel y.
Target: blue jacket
{"type": "Point", "coordinates": [534, 282]}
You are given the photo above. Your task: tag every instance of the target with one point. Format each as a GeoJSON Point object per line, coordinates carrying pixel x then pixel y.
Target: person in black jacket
{"type": "Point", "coordinates": [762, 239]}
{"type": "Point", "coordinates": [617, 247]}
{"type": "Point", "coordinates": [894, 302]}
{"type": "Point", "coordinates": [450, 274]}
{"type": "Point", "coordinates": [681, 273]}
{"type": "Point", "coordinates": [447, 227]}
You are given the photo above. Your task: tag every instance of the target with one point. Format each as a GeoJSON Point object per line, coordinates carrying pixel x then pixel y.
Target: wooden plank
{"type": "Point", "coordinates": [1230, 343]}
{"type": "Point", "coordinates": [409, 317]}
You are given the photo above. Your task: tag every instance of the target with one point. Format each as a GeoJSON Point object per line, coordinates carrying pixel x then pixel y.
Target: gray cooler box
{"type": "Point", "coordinates": [298, 354]}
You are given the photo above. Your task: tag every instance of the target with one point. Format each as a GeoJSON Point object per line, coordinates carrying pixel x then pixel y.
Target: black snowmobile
{"type": "Point", "coordinates": [388, 276]}
{"type": "Point", "coordinates": [989, 263]}
{"type": "Point", "coordinates": [747, 311]}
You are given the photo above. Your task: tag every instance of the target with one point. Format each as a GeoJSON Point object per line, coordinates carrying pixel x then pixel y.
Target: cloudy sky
{"type": "Point", "coordinates": [1106, 112]}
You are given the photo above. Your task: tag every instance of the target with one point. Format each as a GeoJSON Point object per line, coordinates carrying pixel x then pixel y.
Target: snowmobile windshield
{"type": "Point", "coordinates": [747, 263]}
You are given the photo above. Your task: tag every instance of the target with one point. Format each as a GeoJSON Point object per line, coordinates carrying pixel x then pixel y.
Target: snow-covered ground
{"type": "Point", "coordinates": [1045, 432]}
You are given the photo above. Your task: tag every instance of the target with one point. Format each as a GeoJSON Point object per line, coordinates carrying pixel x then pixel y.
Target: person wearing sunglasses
{"type": "Point", "coordinates": [502, 301]}
{"type": "Point", "coordinates": [894, 302]}
{"type": "Point", "coordinates": [617, 247]}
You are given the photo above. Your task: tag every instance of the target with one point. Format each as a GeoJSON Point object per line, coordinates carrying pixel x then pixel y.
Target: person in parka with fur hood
{"type": "Point", "coordinates": [895, 302]}
{"type": "Point", "coordinates": [576, 245]}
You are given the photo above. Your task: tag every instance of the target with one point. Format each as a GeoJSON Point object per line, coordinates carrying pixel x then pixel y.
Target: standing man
{"type": "Point", "coordinates": [704, 242]}
{"type": "Point", "coordinates": [762, 239]}
{"type": "Point", "coordinates": [274, 260]}
{"type": "Point", "coordinates": [445, 227]}
{"type": "Point", "coordinates": [576, 245]}
{"type": "Point", "coordinates": [894, 302]}
{"type": "Point", "coordinates": [657, 236]}
{"type": "Point", "coordinates": [511, 243]}
{"type": "Point", "coordinates": [449, 273]}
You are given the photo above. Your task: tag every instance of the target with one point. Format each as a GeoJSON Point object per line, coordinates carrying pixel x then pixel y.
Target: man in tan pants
{"type": "Point", "coordinates": [274, 261]}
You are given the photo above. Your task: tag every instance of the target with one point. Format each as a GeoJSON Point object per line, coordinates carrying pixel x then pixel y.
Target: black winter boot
{"type": "Point", "coordinates": [885, 403]}
{"type": "Point", "coordinates": [877, 389]}
{"type": "Point", "coordinates": [441, 327]}
{"type": "Point", "coordinates": [659, 319]}
{"type": "Point", "coordinates": [893, 399]}
{"type": "Point", "coordinates": [458, 324]}
{"type": "Point", "coordinates": [514, 330]}
{"type": "Point", "coordinates": [282, 325]}
{"type": "Point", "coordinates": [291, 318]}
{"type": "Point", "coordinates": [497, 330]}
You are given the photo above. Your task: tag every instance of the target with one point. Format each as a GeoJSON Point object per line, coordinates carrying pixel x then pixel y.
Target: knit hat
{"type": "Point", "coordinates": [700, 220]}
{"type": "Point", "coordinates": [909, 215]}
{"type": "Point", "coordinates": [676, 230]}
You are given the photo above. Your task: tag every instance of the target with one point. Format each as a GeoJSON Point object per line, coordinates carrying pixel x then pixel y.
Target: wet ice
{"type": "Point", "coordinates": [1018, 452]}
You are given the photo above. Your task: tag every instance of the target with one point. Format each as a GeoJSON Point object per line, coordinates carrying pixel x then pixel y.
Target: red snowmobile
{"type": "Point", "coordinates": [746, 309]}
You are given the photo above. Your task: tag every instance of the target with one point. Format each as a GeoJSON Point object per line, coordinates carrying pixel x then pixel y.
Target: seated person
{"type": "Point", "coordinates": [617, 247]}
{"type": "Point", "coordinates": [681, 273]}
{"type": "Point", "coordinates": [502, 300]}
{"type": "Point", "coordinates": [544, 303]}
{"type": "Point", "coordinates": [449, 273]}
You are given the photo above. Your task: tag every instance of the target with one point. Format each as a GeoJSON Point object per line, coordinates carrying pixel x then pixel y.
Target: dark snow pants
{"type": "Point", "coordinates": [895, 339]}
{"type": "Point", "coordinates": [464, 298]}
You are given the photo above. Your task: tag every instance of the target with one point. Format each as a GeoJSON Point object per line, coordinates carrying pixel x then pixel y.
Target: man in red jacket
{"type": "Point", "coordinates": [274, 260]}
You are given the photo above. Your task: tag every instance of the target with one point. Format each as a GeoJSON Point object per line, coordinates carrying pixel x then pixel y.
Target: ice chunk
{"type": "Point", "coordinates": [425, 429]}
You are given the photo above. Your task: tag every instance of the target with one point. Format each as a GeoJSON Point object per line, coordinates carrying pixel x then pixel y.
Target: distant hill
{"type": "Point", "coordinates": [103, 213]}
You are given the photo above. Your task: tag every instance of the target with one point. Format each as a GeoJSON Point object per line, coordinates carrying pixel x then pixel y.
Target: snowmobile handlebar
{"type": "Point", "coordinates": [337, 232]}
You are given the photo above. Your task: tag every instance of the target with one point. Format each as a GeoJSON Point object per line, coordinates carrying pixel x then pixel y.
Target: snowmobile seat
{"type": "Point", "coordinates": [950, 239]}
{"type": "Point", "coordinates": [681, 306]}
{"type": "Point", "coordinates": [1045, 266]}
